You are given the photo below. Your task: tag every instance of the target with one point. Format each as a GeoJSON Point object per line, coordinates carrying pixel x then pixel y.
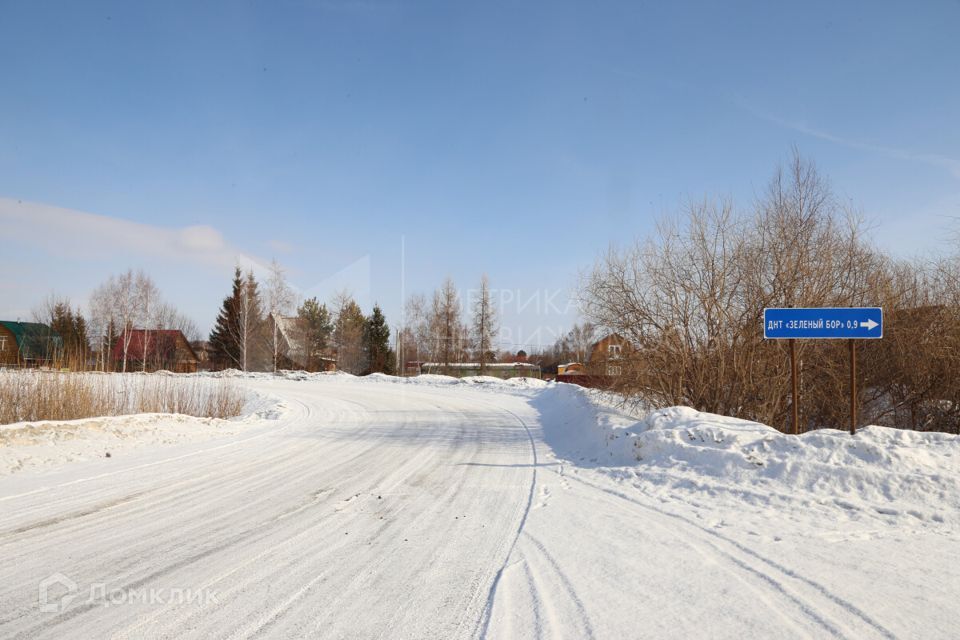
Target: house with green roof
{"type": "Point", "coordinates": [28, 344]}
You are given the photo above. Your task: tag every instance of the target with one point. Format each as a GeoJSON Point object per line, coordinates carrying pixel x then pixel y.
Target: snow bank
{"type": "Point", "coordinates": [26, 445]}
{"type": "Point", "coordinates": [885, 472]}
{"type": "Point", "coordinates": [437, 380]}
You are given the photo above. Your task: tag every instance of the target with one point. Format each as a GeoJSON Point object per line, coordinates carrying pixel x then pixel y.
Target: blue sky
{"type": "Point", "coordinates": [517, 139]}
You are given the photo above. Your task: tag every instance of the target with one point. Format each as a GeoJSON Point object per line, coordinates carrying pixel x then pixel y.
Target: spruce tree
{"type": "Point", "coordinates": [225, 349]}
{"type": "Point", "coordinates": [72, 329]}
{"type": "Point", "coordinates": [348, 336]}
{"type": "Point", "coordinates": [317, 327]}
{"type": "Point", "coordinates": [81, 341]}
{"type": "Point", "coordinates": [376, 343]}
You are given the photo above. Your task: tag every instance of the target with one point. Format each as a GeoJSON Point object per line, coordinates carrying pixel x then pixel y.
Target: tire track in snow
{"type": "Point", "coordinates": [586, 630]}
{"type": "Point", "coordinates": [169, 492]}
{"type": "Point", "coordinates": [488, 609]}
{"type": "Point", "coordinates": [374, 485]}
{"type": "Point", "coordinates": [230, 537]}
{"type": "Point", "coordinates": [189, 533]}
{"type": "Point", "coordinates": [520, 556]}
{"type": "Point", "coordinates": [358, 566]}
{"type": "Point", "coordinates": [786, 572]}
{"type": "Point", "coordinates": [260, 626]}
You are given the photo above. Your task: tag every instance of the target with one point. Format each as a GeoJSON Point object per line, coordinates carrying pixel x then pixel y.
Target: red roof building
{"type": "Point", "coordinates": [154, 350]}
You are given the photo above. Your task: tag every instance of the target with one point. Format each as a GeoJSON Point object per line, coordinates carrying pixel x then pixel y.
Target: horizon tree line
{"type": "Point", "coordinates": [245, 336]}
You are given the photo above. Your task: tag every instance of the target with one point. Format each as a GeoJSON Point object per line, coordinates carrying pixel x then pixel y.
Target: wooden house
{"type": "Point", "coordinates": [28, 344]}
{"type": "Point", "coordinates": [155, 350]}
{"type": "Point", "coordinates": [607, 355]}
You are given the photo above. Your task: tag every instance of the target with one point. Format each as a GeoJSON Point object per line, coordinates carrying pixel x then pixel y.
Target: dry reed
{"type": "Point", "coordinates": [44, 395]}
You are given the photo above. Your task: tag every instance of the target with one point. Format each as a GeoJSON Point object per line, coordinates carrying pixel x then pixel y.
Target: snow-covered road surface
{"type": "Point", "coordinates": [376, 509]}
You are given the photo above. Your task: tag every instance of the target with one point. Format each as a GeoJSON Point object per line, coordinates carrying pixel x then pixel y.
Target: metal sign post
{"type": "Point", "coordinates": [823, 323]}
{"type": "Point", "coordinates": [796, 390]}
{"type": "Point", "coordinates": [853, 387]}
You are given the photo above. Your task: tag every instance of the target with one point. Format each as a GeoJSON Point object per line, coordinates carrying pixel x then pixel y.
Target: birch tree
{"type": "Point", "coordinates": [101, 323]}
{"type": "Point", "coordinates": [280, 300]}
{"type": "Point", "coordinates": [116, 303]}
{"type": "Point", "coordinates": [148, 307]}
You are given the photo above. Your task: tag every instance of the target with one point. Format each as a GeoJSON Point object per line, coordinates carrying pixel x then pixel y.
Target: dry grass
{"type": "Point", "coordinates": [37, 395]}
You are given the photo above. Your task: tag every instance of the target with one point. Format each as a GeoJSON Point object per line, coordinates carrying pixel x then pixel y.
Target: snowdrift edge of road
{"type": "Point", "coordinates": [886, 472]}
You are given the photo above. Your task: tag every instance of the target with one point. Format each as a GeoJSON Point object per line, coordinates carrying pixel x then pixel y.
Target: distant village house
{"type": "Point", "coordinates": [155, 350]}
{"type": "Point", "coordinates": [607, 355]}
{"type": "Point", "coordinates": [29, 344]}
{"type": "Point", "coordinates": [604, 364]}
{"type": "Point", "coordinates": [294, 352]}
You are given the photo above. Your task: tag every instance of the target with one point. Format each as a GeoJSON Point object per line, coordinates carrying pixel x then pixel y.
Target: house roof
{"type": "Point", "coordinates": [149, 340]}
{"type": "Point", "coordinates": [34, 339]}
{"type": "Point", "coordinates": [287, 326]}
{"type": "Point", "coordinates": [612, 338]}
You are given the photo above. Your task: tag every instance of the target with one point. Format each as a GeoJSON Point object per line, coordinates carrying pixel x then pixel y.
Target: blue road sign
{"type": "Point", "coordinates": [823, 323]}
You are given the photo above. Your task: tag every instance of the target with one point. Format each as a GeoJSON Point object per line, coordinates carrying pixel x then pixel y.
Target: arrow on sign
{"type": "Point", "coordinates": [870, 324]}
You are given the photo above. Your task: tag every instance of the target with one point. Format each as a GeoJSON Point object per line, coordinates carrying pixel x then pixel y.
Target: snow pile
{"type": "Point", "coordinates": [437, 380]}
{"type": "Point", "coordinates": [26, 445]}
{"type": "Point", "coordinates": [887, 473]}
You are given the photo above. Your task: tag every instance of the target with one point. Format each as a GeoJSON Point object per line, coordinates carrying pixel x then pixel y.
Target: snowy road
{"type": "Point", "coordinates": [386, 510]}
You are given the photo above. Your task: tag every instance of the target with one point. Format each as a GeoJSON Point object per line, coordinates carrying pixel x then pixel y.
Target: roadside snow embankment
{"type": "Point", "coordinates": [882, 472]}
{"type": "Point", "coordinates": [41, 443]}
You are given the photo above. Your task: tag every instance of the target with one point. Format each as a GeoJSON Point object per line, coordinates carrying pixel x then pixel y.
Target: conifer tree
{"type": "Point", "coordinates": [224, 346]}
{"type": "Point", "coordinates": [484, 324]}
{"type": "Point", "coordinates": [317, 327]}
{"type": "Point", "coordinates": [348, 335]}
{"type": "Point", "coordinates": [376, 343]}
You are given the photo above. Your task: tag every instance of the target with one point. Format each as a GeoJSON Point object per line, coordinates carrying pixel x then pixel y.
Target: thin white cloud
{"type": "Point", "coordinates": [77, 234]}
{"type": "Point", "coordinates": [952, 165]}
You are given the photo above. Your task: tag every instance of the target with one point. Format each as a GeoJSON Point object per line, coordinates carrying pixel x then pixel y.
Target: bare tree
{"type": "Point", "coordinates": [46, 310]}
{"type": "Point", "coordinates": [691, 298]}
{"type": "Point", "coordinates": [416, 333]}
{"type": "Point", "coordinates": [248, 328]}
{"type": "Point", "coordinates": [575, 346]}
{"type": "Point", "coordinates": [101, 323]}
{"type": "Point", "coordinates": [147, 312]}
{"type": "Point", "coordinates": [446, 327]}
{"type": "Point", "coordinates": [484, 323]}
{"type": "Point", "coordinates": [128, 302]}
{"type": "Point", "coordinates": [116, 303]}
{"type": "Point", "coordinates": [171, 318]}
{"type": "Point", "coordinates": [280, 300]}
